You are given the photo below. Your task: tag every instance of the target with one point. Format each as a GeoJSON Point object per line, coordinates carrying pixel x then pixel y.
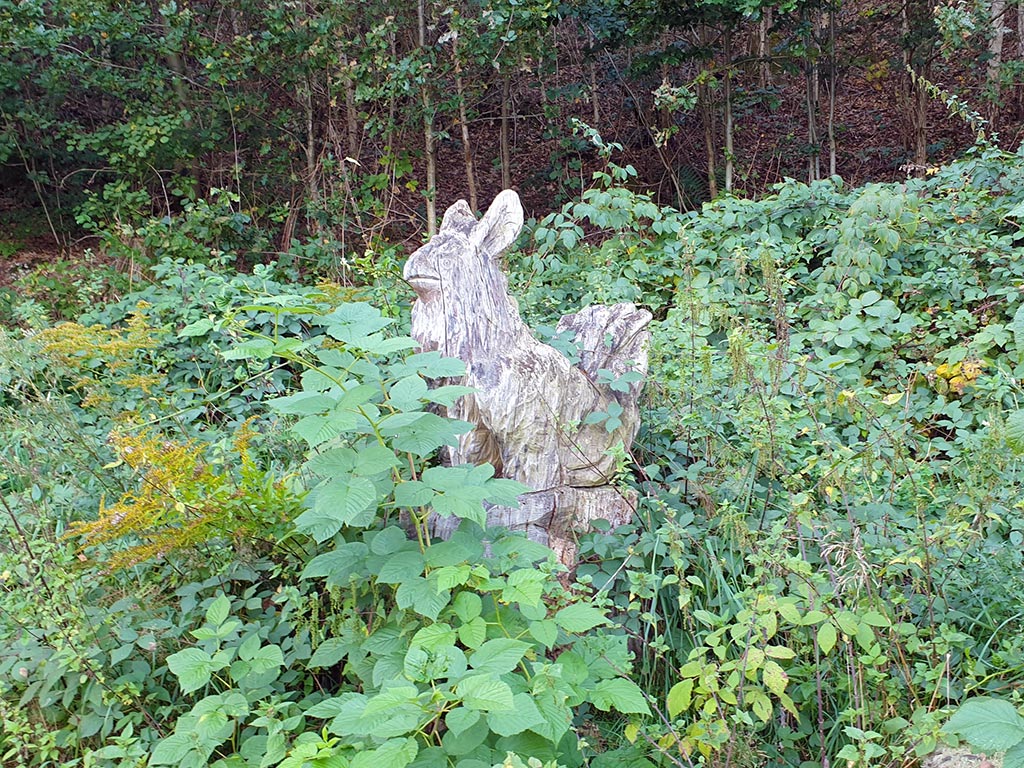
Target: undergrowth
{"type": "Point", "coordinates": [215, 494]}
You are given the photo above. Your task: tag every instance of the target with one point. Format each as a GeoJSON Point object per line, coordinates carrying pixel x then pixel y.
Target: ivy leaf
{"type": "Point", "coordinates": [338, 502]}
{"type": "Point", "coordinates": [990, 724]}
{"type": "Point", "coordinates": [620, 694]}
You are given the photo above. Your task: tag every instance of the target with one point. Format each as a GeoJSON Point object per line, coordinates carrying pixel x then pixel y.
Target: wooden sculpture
{"type": "Point", "coordinates": [531, 404]}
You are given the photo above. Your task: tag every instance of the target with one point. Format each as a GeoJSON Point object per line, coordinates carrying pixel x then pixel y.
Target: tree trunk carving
{"type": "Point", "coordinates": [530, 411]}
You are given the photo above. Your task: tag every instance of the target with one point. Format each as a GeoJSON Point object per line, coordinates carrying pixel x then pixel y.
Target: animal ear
{"type": "Point", "coordinates": [458, 216]}
{"type": "Point", "coordinates": [500, 226]}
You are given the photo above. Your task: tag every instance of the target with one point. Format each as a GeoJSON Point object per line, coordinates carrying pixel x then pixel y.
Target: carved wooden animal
{"type": "Point", "coordinates": [531, 403]}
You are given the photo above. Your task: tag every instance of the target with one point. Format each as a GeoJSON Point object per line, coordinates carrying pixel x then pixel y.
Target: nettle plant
{"type": "Point", "coordinates": [391, 650]}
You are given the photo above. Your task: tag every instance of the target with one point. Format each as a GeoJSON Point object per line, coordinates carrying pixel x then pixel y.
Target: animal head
{"type": "Point", "coordinates": [465, 251]}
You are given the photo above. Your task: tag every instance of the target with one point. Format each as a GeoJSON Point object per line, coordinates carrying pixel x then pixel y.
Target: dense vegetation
{"type": "Point", "coordinates": [218, 447]}
{"type": "Point", "coordinates": [214, 492]}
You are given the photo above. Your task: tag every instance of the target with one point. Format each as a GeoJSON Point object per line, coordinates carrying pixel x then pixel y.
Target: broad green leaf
{"type": "Point", "coordinates": [267, 658]}
{"type": "Point", "coordinates": [827, 637]}
{"type": "Point", "coordinates": [989, 724]}
{"type": "Point", "coordinates": [580, 618]}
{"type": "Point", "coordinates": [679, 697]}
{"type": "Point", "coordinates": [485, 692]}
{"type": "Point", "coordinates": [423, 434]}
{"type": "Point", "coordinates": [193, 668]}
{"type": "Point", "coordinates": [1013, 432]}
{"type": "Point", "coordinates": [343, 501]}
{"type": "Point", "coordinates": [433, 637]}
{"type": "Point", "coordinates": [173, 749]}
{"type": "Point", "coordinates": [401, 567]}
{"type": "Point", "coordinates": [467, 606]}
{"type": "Point", "coordinates": [331, 651]}
{"type": "Point", "coordinates": [420, 595]}
{"type": "Point", "coordinates": [525, 586]}
{"type": "Point", "coordinates": [775, 677]}
{"type": "Point", "coordinates": [621, 695]}
{"type": "Point", "coordinates": [303, 403]}
{"type": "Point", "coordinates": [461, 718]}
{"type": "Point", "coordinates": [499, 656]}
{"type": "Point", "coordinates": [218, 610]}
{"type": "Point", "coordinates": [338, 565]}
{"type": "Point", "coordinates": [1014, 757]}
{"type": "Point", "coordinates": [523, 715]}
{"type": "Point", "coordinates": [395, 753]}
{"type": "Point", "coordinates": [544, 632]}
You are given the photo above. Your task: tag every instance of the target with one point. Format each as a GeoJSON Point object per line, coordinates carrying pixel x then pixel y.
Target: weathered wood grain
{"type": "Point", "coordinates": [532, 403]}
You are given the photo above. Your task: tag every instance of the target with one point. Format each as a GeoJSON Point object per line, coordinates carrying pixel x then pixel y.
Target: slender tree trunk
{"type": "Point", "coordinates": [351, 116]}
{"type": "Point", "coordinates": [913, 15]}
{"type": "Point", "coordinates": [467, 145]}
{"type": "Point", "coordinates": [506, 112]}
{"type": "Point", "coordinates": [729, 160]}
{"type": "Point", "coordinates": [430, 149]}
{"type": "Point", "coordinates": [312, 175]}
{"type": "Point", "coordinates": [592, 71]}
{"type": "Point", "coordinates": [833, 82]}
{"type": "Point", "coordinates": [708, 114]}
{"type": "Point", "coordinates": [811, 103]}
{"type": "Point", "coordinates": [997, 20]}
{"type": "Point", "coordinates": [764, 68]}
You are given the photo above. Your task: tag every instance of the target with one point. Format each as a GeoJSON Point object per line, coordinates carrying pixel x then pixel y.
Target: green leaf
{"type": "Point", "coordinates": [267, 658]}
{"type": "Point", "coordinates": [193, 668]}
{"type": "Point", "coordinates": [467, 606]}
{"type": "Point", "coordinates": [989, 724]}
{"type": "Point", "coordinates": [330, 652]}
{"type": "Point", "coordinates": [473, 633]}
{"type": "Point", "coordinates": [1014, 757]}
{"type": "Point", "coordinates": [460, 719]}
{"type": "Point", "coordinates": [544, 632]}
{"type": "Point", "coordinates": [338, 565]}
{"type": "Point", "coordinates": [433, 637]}
{"type": "Point", "coordinates": [679, 697]}
{"type": "Point", "coordinates": [523, 715]}
{"type": "Point", "coordinates": [1013, 432]}
{"type": "Point", "coordinates": [421, 596]}
{"type": "Point", "coordinates": [524, 586]}
{"type": "Point", "coordinates": [218, 610]}
{"type": "Point", "coordinates": [827, 637]}
{"type": "Point", "coordinates": [485, 692]}
{"type": "Point", "coordinates": [173, 750]}
{"type": "Point", "coordinates": [620, 694]}
{"type": "Point", "coordinates": [395, 753]}
{"type": "Point", "coordinates": [580, 618]}
{"type": "Point", "coordinates": [422, 433]}
{"type": "Point", "coordinates": [499, 656]}
{"type": "Point", "coordinates": [401, 567]}
{"type": "Point", "coordinates": [343, 501]}
{"type": "Point", "coordinates": [775, 678]}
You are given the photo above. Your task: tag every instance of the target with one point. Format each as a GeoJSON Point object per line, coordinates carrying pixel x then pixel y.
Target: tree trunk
{"type": "Point", "coordinates": [467, 146]}
{"type": "Point", "coordinates": [312, 172]}
{"type": "Point", "coordinates": [811, 103]}
{"type": "Point", "coordinates": [506, 152]}
{"type": "Point", "coordinates": [764, 68]}
{"type": "Point", "coordinates": [833, 82]}
{"type": "Point", "coordinates": [429, 147]}
{"type": "Point", "coordinates": [997, 14]}
{"type": "Point", "coordinates": [729, 159]}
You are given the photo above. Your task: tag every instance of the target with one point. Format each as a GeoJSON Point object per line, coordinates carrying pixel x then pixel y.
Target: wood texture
{"type": "Point", "coordinates": [531, 407]}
